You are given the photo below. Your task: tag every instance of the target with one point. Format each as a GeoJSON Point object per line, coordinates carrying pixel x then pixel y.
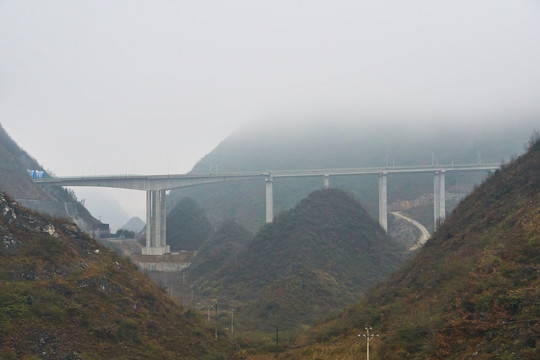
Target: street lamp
{"type": "Point", "coordinates": [368, 336]}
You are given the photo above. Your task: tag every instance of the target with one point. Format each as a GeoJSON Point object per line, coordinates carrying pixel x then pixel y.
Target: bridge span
{"type": "Point", "coordinates": [157, 185]}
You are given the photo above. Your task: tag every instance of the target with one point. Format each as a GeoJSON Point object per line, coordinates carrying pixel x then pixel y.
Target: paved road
{"type": "Point", "coordinates": [424, 233]}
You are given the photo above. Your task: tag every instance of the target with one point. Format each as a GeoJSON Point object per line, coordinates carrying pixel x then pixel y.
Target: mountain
{"type": "Point", "coordinates": [471, 292]}
{"type": "Point", "coordinates": [219, 251]}
{"type": "Point", "coordinates": [318, 255]}
{"type": "Point", "coordinates": [14, 163]}
{"type": "Point", "coordinates": [336, 144]}
{"type": "Point", "coordinates": [15, 181]}
{"type": "Point", "coordinates": [63, 296]}
{"type": "Point", "coordinates": [187, 226]}
{"type": "Point", "coordinates": [104, 206]}
{"type": "Point", "coordinates": [135, 224]}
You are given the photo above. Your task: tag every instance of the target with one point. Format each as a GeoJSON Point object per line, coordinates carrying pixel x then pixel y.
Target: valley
{"type": "Point", "coordinates": [256, 180]}
{"type": "Point", "coordinates": [301, 272]}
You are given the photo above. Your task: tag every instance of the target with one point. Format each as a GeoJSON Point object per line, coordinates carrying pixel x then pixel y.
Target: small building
{"type": "Point", "coordinates": [101, 231]}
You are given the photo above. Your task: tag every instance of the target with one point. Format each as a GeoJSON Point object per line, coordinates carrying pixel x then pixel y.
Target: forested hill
{"type": "Point", "coordinates": [63, 296]}
{"type": "Point", "coordinates": [312, 260]}
{"type": "Point", "coordinates": [338, 145]}
{"type": "Point", "coordinates": [218, 251]}
{"type": "Point", "coordinates": [472, 291]}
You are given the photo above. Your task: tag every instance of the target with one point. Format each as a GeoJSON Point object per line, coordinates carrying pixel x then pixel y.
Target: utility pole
{"type": "Point", "coordinates": [216, 320]}
{"type": "Point", "coordinates": [368, 337]}
{"type": "Point", "coordinates": [232, 321]}
{"type": "Point", "coordinates": [277, 343]}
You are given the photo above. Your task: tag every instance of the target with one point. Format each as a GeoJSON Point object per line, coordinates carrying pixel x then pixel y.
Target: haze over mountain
{"type": "Point", "coordinates": [103, 206]}
{"type": "Point", "coordinates": [471, 293]}
{"type": "Point", "coordinates": [199, 71]}
{"type": "Point", "coordinates": [15, 180]}
{"type": "Point", "coordinates": [346, 144]}
{"type": "Point", "coordinates": [134, 224]}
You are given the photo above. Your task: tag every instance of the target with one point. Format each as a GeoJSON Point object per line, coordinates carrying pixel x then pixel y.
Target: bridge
{"type": "Point", "coordinates": [157, 185]}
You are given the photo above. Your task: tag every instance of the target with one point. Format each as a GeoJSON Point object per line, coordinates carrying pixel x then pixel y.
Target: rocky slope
{"type": "Point", "coordinates": [63, 296]}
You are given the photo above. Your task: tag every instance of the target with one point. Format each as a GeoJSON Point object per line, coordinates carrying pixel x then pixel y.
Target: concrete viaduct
{"type": "Point", "coordinates": [157, 185]}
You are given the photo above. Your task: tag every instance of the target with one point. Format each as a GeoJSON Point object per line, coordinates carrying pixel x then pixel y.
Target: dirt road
{"type": "Point", "coordinates": [424, 233]}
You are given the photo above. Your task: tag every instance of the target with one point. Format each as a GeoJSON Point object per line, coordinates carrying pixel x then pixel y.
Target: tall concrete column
{"type": "Point", "coordinates": [155, 223]}
{"type": "Point", "coordinates": [163, 219]}
{"type": "Point", "coordinates": [156, 227]}
{"type": "Point", "coordinates": [383, 202]}
{"type": "Point", "coordinates": [269, 199]}
{"type": "Point", "coordinates": [442, 196]}
{"type": "Point", "coordinates": [326, 183]}
{"type": "Point", "coordinates": [149, 221]}
{"type": "Point", "coordinates": [436, 199]}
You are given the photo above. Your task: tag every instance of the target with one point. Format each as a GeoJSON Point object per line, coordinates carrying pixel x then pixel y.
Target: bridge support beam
{"type": "Point", "coordinates": [439, 198]}
{"type": "Point", "coordinates": [326, 183]}
{"type": "Point", "coordinates": [156, 224]}
{"type": "Point", "coordinates": [269, 199]}
{"type": "Point", "coordinates": [383, 202]}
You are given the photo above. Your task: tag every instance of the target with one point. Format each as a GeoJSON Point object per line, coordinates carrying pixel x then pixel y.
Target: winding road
{"type": "Point", "coordinates": [424, 233]}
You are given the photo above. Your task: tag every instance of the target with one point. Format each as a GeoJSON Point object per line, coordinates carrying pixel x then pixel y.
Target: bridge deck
{"type": "Point", "coordinates": [167, 182]}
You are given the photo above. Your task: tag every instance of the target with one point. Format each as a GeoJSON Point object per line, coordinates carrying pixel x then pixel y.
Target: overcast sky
{"type": "Point", "coordinates": [102, 87]}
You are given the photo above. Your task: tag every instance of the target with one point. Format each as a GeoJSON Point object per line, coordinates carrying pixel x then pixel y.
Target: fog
{"type": "Point", "coordinates": [114, 87]}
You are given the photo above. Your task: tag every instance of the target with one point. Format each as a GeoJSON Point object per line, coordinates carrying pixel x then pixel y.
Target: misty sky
{"type": "Point", "coordinates": [102, 87]}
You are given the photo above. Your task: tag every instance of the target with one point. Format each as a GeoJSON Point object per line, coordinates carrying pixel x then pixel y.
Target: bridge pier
{"type": "Point", "coordinates": [383, 201]}
{"type": "Point", "coordinates": [156, 224]}
{"type": "Point", "coordinates": [269, 199]}
{"type": "Point", "coordinates": [326, 182]}
{"type": "Point", "coordinates": [439, 198]}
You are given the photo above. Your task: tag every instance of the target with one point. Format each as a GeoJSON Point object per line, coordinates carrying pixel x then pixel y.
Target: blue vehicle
{"type": "Point", "coordinates": [37, 174]}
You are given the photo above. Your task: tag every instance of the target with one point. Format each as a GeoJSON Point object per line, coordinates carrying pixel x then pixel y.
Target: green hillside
{"type": "Point", "coordinates": [471, 293]}
{"type": "Point", "coordinates": [187, 226]}
{"type": "Point", "coordinates": [63, 296]}
{"type": "Point", "coordinates": [319, 254]}
{"type": "Point", "coordinates": [219, 251]}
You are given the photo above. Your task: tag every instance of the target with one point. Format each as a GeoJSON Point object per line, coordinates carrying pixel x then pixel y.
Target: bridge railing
{"type": "Point", "coordinates": [290, 173]}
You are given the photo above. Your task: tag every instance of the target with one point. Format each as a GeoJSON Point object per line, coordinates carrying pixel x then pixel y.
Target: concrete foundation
{"type": "Point", "coordinates": [156, 250]}
{"type": "Point", "coordinates": [162, 266]}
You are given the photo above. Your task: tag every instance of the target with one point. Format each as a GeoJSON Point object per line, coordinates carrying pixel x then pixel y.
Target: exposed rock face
{"type": "Point", "coordinates": [12, 213]}
{"type": "Point", "coordinates": [8, 241]}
